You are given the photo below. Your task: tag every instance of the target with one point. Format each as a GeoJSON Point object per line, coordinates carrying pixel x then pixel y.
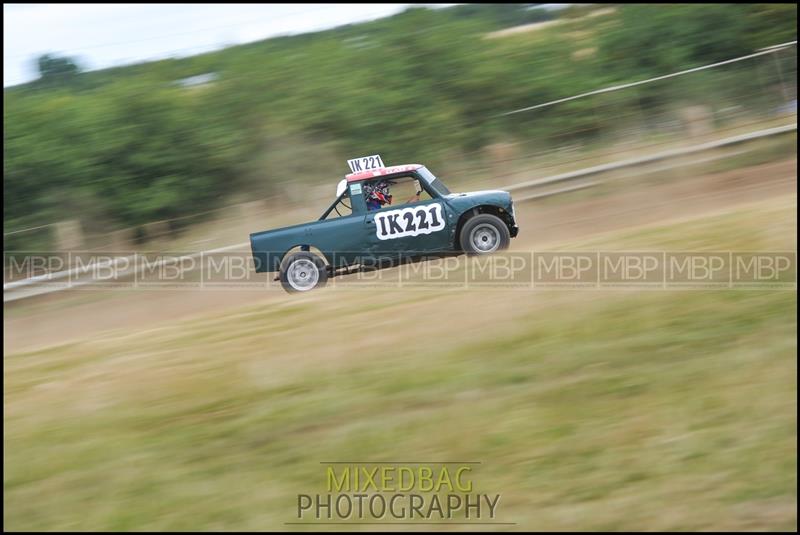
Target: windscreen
{"type": "Point", "coordinates": [434, 183]}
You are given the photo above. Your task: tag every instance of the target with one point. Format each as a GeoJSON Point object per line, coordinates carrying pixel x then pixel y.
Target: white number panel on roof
{"type": "Point", "coordinates": [365, 163]}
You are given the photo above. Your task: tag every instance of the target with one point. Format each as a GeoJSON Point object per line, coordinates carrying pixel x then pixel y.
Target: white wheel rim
{"type": "Point", "coordinates": [302, 275]}
{"type": "Point", "coordinates": [485, 238]}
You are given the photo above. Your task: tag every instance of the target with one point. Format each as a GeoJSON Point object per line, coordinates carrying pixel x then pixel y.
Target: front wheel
{"type": "Point", "coordinates": [302, 271]}
{"type": "Point", "coordinates": [484, 234]}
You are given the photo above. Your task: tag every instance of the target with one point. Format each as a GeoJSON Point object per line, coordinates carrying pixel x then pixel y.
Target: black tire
{"type": "Point", "coordinates": [484, 234]}
{"type": "Point", "coordinates": [302, 271]}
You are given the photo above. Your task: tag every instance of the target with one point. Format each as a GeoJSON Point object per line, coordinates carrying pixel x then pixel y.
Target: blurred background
{"type": "Point", "coordinates": [169, 141]}
{"type": "Point", "coordinates": [148, 409]}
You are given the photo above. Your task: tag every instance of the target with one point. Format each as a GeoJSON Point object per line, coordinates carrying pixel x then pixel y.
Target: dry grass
{"type": "Point", "coordinates": [588, 409]}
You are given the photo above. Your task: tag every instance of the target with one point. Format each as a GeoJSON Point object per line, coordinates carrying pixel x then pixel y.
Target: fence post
{"type": "Point", "coordinates": [69, 235]}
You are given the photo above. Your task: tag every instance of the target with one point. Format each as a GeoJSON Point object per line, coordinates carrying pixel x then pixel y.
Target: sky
{"type": "Point", "coordinates": [107, 35]}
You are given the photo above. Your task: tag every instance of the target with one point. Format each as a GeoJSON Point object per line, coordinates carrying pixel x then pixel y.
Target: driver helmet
{"type": "Point", "coordinates": [378, 193]}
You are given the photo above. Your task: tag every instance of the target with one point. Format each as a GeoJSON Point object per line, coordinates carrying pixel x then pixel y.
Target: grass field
{"type": "Point", "coordinates": [588, 409]}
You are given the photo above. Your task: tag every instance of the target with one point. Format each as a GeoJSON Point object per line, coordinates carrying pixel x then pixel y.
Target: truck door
{"type": "Point", "coordinates": [410, 229]}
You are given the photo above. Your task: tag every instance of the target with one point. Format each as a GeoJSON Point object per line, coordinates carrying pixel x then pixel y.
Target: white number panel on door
{"type": "Point", "coordinates": [411, 221]}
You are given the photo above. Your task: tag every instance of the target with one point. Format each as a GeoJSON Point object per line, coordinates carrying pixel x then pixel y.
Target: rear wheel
{"type": "Point", "coordinates": [484, 234]}
{"type": "Point", "coordinates": [302, 271]}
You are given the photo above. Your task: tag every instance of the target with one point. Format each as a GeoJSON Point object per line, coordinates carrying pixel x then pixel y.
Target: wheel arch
{"type": "Point", "coordinates": [303, 247]}
{"type": "Point", "coordinates": [477, 210]}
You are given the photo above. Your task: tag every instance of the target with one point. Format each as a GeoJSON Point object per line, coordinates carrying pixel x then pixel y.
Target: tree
{"type": "Point", "coordinates": [57, 71]}
{"type": "Point", "coordinates": [652, 40]}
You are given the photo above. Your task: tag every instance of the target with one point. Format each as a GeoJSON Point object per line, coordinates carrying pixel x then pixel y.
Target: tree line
{"type": "Point", "coordinates": [129, 145]}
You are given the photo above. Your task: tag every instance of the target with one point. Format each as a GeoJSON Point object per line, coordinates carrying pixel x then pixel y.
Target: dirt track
{"type": "Point", "coordinates": [59, 318]}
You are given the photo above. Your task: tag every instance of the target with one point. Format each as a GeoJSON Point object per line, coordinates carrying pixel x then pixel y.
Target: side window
{"type": "Point", "coordinates": [342, 208]}
{"type": "Point", "coordinates": [397, 191]}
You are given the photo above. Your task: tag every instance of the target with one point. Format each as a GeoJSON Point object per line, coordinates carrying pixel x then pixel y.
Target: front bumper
{"type": "Point", "coordinates": [514, 231]}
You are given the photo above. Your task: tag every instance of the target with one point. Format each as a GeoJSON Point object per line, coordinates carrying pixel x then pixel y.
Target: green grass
{"type": "Point", "coordinates": [588, 410]}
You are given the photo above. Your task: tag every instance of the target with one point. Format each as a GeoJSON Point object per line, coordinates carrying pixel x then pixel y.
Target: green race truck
{"type": "Point", "coordinates": [363, 227]}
